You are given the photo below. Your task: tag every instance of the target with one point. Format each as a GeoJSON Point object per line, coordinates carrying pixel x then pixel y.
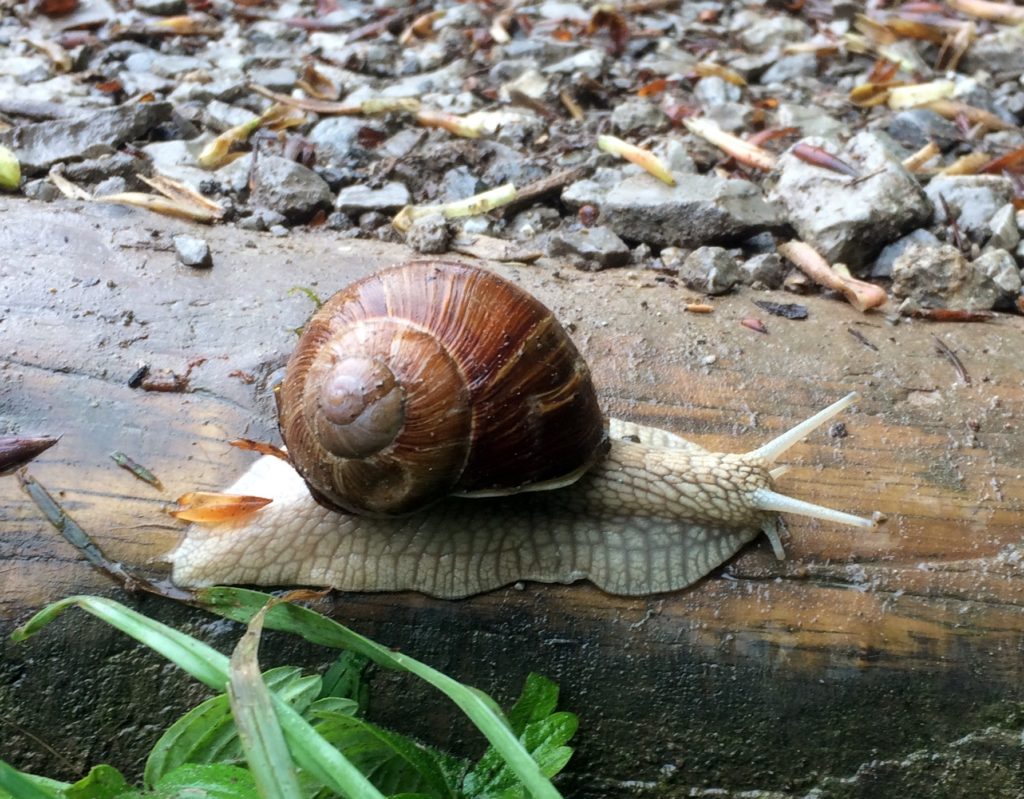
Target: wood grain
{"type": "Point", "coordinates": [932, 598]}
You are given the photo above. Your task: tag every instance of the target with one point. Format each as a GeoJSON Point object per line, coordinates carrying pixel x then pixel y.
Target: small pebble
{"type": "Point", "coordinates": [193, 252]}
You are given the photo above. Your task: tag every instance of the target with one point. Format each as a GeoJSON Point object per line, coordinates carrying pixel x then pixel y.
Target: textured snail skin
{"type": "Point", "coordinates": [649, 517]}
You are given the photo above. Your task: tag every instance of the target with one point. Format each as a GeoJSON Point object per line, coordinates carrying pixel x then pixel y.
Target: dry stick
{"type": "Point", "coordinates": [80, 540]}
{"type": "Point", "coordinates": [943, 349]}
{"type": "Point", "coordinates": [861, 338]}
{"type": "Point", "coordinates": [539, 188]}
{"type": "Point", "coordinates": [860, 294]}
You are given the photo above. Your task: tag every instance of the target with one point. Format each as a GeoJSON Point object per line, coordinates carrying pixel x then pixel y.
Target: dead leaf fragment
{"type": "Point", "coordinates": [742, 151]}
{"type": "Point", "coordinates": [211, 507]}
{"type": "Point", "coordinates": [644, 159]}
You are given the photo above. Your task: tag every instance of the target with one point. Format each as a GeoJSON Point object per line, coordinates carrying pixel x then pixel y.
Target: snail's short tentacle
{"type": "Point", "coordinates": [773, 527]}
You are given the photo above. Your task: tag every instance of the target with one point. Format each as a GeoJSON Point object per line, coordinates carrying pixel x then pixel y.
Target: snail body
{"type": "Point", "coordinates": [389, 464]}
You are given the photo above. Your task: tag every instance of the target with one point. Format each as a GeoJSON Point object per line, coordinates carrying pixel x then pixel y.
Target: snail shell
{"type": "Point", "coordinates": [431, 379]}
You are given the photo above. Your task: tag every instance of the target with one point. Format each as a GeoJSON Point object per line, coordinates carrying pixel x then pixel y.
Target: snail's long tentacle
{"type": "Point", "coordinates": [766, 499]}
{"type": "Point", "coordinates": [771, 451]}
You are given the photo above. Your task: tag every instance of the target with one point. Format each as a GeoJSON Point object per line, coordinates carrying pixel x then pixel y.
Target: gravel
{"type": "Point", "coordinates": [116, 98]}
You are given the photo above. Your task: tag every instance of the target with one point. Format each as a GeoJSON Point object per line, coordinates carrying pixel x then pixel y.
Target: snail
{"type": "Point", "coordinates": [444, 436]}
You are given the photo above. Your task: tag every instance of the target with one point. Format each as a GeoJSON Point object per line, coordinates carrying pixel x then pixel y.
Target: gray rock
{"type": "Point", "coordinates": [141, 61]}
{"type": "Point", "coordinates": [336, 220]}
{"type": "Point", "coordinates": [288, 188]}
{"type": "Point", "coordinates": [459, 183]}
{"type": "Point", "coordinates": [940, 277]}
{"type": "Point", "coordinates": [1005, 233]}
{"type": "Point", "coordinates": [791, 67]}
{"type": "Point", "coordinates": [112, 185]}
{"type": "Point", "coordinates": [710, 270]}
{"type": "Point", "coordinates": [171, 66]}
{"type": "Point", "coordinates": [592, 190]}
{"type": "Point", "coordinates": [587, 62]}
{"type": "Point", "coordinates": [359, 199]}
{"type": "Point", "coordinates": [41, 145]}
{"type": "Point", "coordinates": [999, 51]}
{"type": "Point", "coordinates": [811, 120]}
{"type": "Point", "coordinates": [915, 127]}
{"type": "Point", "coordinates": [887, 257]}
{"type": "Point", "coordinates": [638, 114]}
{"type": "Point", "coordinates": [221, 116]}
{"type": "Point", "coordinates": [673, 154]}
{"type": "Point", "coordinates": [730, 116]}
{"type": "Point", "coordinates": [401, 144]}
{"type": "Point", "coordinates": [763, 271]}
{"type": "Point", "coordinates": [261, 219]}
{"type": "Point", "coordinates": [713, 90]}
{"type": "Point", "coordinates": [193, 251]}
{"type": "Point", "coordinates": [94, 170]}
{"type": "Point", "coordinates": [42, 190]}
{"type": "Point", "coordinates": [439, 80]}
{"type": "Point", "coordinates": [756, 32]}
{"type": "Point", "coordinates": [235, 176]}
{"type": "Point", "coordinates": [699, 209]}
{"type": "Point", "coordinates": [591, 249]}
{"type": "Point", "coordinates": [534, 221]}
{"type": "Point", "coordinates": [973, 199]}
{"type": "Point", "coordinates": [161, 8]}
{"type": "Point", "coordinates": [429, 234]}
{"type": "Point", "coordinates": [335, 137]}
{"type": "Point", "coordinates": [278, 79]}
{"type": "Point", "coordinates": [673, 257]}
{"type": "Point", "coordinates": [846, 219]}
{"type": "Point", "coordinates": [999, 273]}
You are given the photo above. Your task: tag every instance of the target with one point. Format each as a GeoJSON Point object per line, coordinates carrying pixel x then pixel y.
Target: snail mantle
{"type": "Point", "coordinates": [445, 437]}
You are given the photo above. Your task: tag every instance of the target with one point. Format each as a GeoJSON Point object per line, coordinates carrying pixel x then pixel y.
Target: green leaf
{"type": "Point", "coordinates": [538, 700]}
{"type": "Point", "coordinates": [262, 738]}
{"type": "Point", "coordinates": [543, 733]}
{"type": "Point", "coordinates": [241, 604]}
{"type": "Point", "coordinates": [344, 678]}
{"type": "Point", "coordinates": [102, 782]}
{"type": "Point", "coordinates": [218, 780]}
{"type": "Point", "coordinates": [15, 784]}
{"type": "Point", "coordinates": [329, 705]}
{"type": "Point", "coordinates": [207, 733]}
{"type": "Point", "coordinates": [201, 781]}
{"type": "Point", "coordinates": [310, 751]}
{"type": "Point", "coordinates": [391, 761]}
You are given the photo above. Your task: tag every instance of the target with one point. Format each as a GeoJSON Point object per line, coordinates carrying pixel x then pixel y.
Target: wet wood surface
{"type": "Point", "coordinates": [933, 598]}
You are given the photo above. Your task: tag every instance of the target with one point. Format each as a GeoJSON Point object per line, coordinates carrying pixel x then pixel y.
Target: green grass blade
{"type": "Point", "coordinates": [241, 604]}
{"type": "Point", "coordinates": [203, 662]}
{"type": "Point", "coordinates": [310, 750]}
{"type": "Point", "coordinates": [266, 752]}
{"type": "Point", "coordinates": [23, 786]}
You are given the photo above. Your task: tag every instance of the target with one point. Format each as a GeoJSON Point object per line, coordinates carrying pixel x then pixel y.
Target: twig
{"type": "Point", "coordinates": [534, 191]}
{"type": "Point", "coordinates": [943, 349]}
{"type": "Point", "coordinates": [861, 338]}
{"type": "Point", "coordinates": [80, 540]}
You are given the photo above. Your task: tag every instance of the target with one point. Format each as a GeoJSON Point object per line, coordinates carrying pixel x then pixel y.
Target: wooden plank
{"type": "Point", "coordinates": [760, 652]}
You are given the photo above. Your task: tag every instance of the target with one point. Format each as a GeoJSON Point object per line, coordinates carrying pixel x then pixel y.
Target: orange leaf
{"type": "Point", "coordinates": [212, 507]}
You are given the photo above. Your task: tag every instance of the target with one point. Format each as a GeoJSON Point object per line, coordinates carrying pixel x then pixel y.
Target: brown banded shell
{"type": "Point", "coordinates": [435, 378]}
